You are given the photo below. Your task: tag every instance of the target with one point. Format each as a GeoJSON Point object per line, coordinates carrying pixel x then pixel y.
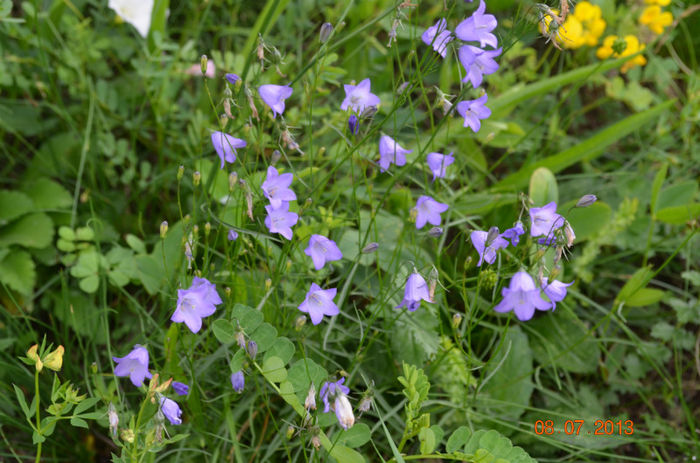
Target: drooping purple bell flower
{"type": "Point", "coordinates": [428, 211]}
{"type": "Point", "coordinates": [487, 248]}
{"type": "Point", "coordinates": [477, 63]}
{"type": "Point", "coordinates": [438, 162]}
{"type": "Point", "coordinates": [391, 152]}
{"type": "Point", "coordinates": [438, 36]}
{"type": "Point", "coordinates": [322, 250]}
{"type": "Point", "coordinates": [196, 302]}
{"type": "Point", "coordinates": [134, 365]}
{"type": "Point", "coordinates": [225, 146]}
{"type": "Point", "coordinates": [416, 290]}
{"type": "Point", "coordinates": [555, 291]}
{"type": "Point", "coordinates": [478, 27]}
{"type": "Point", "coordinates": [544, 220]}
{"type": "Point", "coordinates": [274, 96]}
{"type": "Point", "coordinates": [319, 302]}
{"type": "Point", "coordinates": [522, 297]}
{"type": "Point", "coordinates": [473, 111]}
{"type": "Point", "coordinates": [171, 410]}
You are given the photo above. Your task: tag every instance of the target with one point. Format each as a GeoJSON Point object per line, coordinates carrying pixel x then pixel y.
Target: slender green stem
{"type": "Point", "coordinates": [38, 414]}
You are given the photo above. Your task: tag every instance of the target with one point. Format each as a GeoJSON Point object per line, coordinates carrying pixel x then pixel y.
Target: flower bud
{"type": "Point", "coordinates": [402, 88]}
{"type": "Point", "coordinates": [370, 248]}
{"type": "Point", "coordinates": [196, 178]}
{"type": "Point", "coordinates": [31, 353]}
{"type": "Point", "coordinates": [369, 112]}
{"type": "Point", "coordinates": [240, 339]}
{"type": "Point", "coordinates": [203, 64]}
{"type": "Point", "coordinates": [492, 235]}
{"type": "Point", "coordinates": [300, 322]}
{"type": "Point", "coordinates": [232, 78]}
{"type": "Point", "coordinates": [436, 232]}
{"type": "Point", "coordinates": [180, 172]}
{"type": "Point", "coordinates": [570, 235]}
{"type": "Point", "coordinates": [252, 349]}
{"type": "Point", "coordinates": [232, 180]}
{"type": "Point", "coordinates": [113, 419]}
{"type": "Point", "coordinates": [207, 229]}
{"type": "Point", "coordinates": [586, 200]}
{"type": "Point", "coordinates": [276, 155]}
{"type": "Point", "coordinates": [163, 228]}
{"type": "Point", "coordinates": [365, 403]}
{"type": "Point", "coordinates": [238, 381]}
{"type": "Point", "coordinates": [128, 435]}
{"type": "Point", "coordinates": [310, 402]}
{"type": "Point", "coordinates": [325, 33]}
{"type": "Point", "coordinates": [268, 284]}
{"type": "Point", "coordinates": [316, 441]}
{"type": "Point", "coordinates": [456, 320]}
{"type": "Point", "coordinates": [343, 411]}
{"type": "Point", "coordinates": [232, 235]}
{"type": "Point", "coordinates": [290, 432]}
{"type": "Point", "coordinates": [353, 124]}
{"type": "Point", "coordinates": [554, 273]}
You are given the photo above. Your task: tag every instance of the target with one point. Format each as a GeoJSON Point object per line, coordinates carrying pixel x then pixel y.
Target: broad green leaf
{"type": "Point", "coordinates": [342, 453]}
{"type": "Point", "coordinates": [288, 394]}
{"type": "Point", "coordinates": [135, 243]}
{"type": "Point", "coordinates": [282, 348]}
{"type": "Point", "coordinates": [493, 447]}
{"type": "Point", "coordinates": [48, 194]}
{"type": "Point", "coordinates": [427, 440]}
{"type": "Point", "coordinates": [303, 372]}
{"type": "Point", "coordinates": [543, 187]}
{"type": "Point", "coordinates": [458, 439]}
{"type": "Point", "coordinates": [237, 360]}
{"type": "Point", "coordinates": [559, 339]}
{"type": "Point", "coordinates": [587, 221]}
{"type": "Point", "coordinates": [678, 215]}
{"type": "Point", "coordinates": [645, 296]}
{"type": "Point", "coordinates": [31, 231]}
{"type": "Point", "coordinates": [680, 194]}
{"type": "Point", "coordinates": [18, 272]}
{"type": "Point", "coordinates": [265, 336]}
{"type": "Point", "coordinates": [224, 331]}
{"type": "Point", "coordinates": [636, 282]}
{"type": "Point", "coordinates": [85, 404]}
{"type": "Point", "coordinates": [356, 436]}
{"type": "Point", "coordinates": [12, 205]}
{"type": "Point", "coordinates": [247, 317]}
{"type": "Point", "coordinates": [78, 422]}
{"type": "Point", "coordinates": [273, 370]}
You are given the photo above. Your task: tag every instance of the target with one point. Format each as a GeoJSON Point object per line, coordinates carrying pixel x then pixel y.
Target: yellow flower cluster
{"type": "Point", "coordinates": [654, 18]}
{"type": "Point", "coordinates": [583, 27]}
{"type": "Point", "coordinates": [631, 46]}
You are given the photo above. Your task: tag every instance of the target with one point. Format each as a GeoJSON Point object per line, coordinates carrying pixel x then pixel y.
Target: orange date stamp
{"type": "Point", "coordinates": [573, 428]}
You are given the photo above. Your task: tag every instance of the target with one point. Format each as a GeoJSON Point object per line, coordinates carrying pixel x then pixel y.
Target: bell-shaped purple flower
{"type": "Point", "coordinates": [196, 302]}
{"type": "Point", "coordinates": [478, 27]}
{"type": "Point", "coordinates": [330, 390]}
{"type": "Point", "coordinates": [437, 163]}
{"type": "Point", "coordinates": [171, 410]}
{"type": "Point", "coordinates": [555, 291]}
{"type": "Point", "coordinates": [544, 220]}
{"type": "Point", "coordinates": [358, 97]}
{"type": "Point", "coordinates": [238, 381]}
{"type": "Point", "coordinates": [180, 388]}
{"type": "Point", "coordinates": [429, 210]}
{"type": "Point", "coordinates": [486, 248]}
{"type": "Point", "coordinates": [353, 124]}
{"type": "Point", "coordinates": [232, 235]}
{"type": "Point", "coordinates": [276, 187]}
{"type": "Point", "coordinates": [522, 297]}
{"type": "Point", "coordinates": [415, 291]}
{"type": "Point", "coordinates": [225, 146]}
{"type": "Point", "coordinates": [513, 234]}
{"type": "Point", "coordinates": [438, 36]}
{"type": "Point", "coordinates": [322, 250]}
{"type": "Point", "coordinates": [478, 63]}
{"type": "Point", "coordinates": [232, 78]}
{"type": "Point", "coordinates": [134, 365]}
{"type": "Point", "coordinates": [319, 302]}
{"type": "Point", "coordinates": [280, 220]}
{"type": "Point", "coordinates": [473, 111]}
{"type": "Point", "coordinates": [274, 96]}
{"type": "Point", "coordinates": [391, 152]}
{"type": "Point", "coordinates": [343, 411]}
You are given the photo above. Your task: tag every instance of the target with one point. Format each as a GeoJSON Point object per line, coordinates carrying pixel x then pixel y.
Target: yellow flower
{"type": "Point", "coordinates": [31, 353]}
{"type": "Point", "coordinates": [655, 20]}
{"type": "Point", "coordinates": [632, 46]}
{"type": "Point", "coordinates": [583, 27]}
{"type": "Point", "coordinates": [592, 21]}
{"type": "Point", "coordinates": [658, 2]}
{"type": "Point", "coordinates": [55, 359]}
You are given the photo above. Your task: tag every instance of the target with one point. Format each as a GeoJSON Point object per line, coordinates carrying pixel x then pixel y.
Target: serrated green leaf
{"type": "Point", "coordinates": [31, 231]}
{"type": "Point", "coordinates": [17, 271]}
{"type": "Point", "coordinates": [12, 205]}
{"type": "Point", "coordinates": [47, 194]}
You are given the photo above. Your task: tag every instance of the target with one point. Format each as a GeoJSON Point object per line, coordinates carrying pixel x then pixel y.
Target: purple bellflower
{"type": "Point", "coordinates": [555, 291]}
{"type": "Point", "coordinates": [522, 297]}
{"type": "Point", "coordinates": [274, 96]}
{"type": "Point", "coordinates": [415, 291]}
{"type": "Point", "coordinates": [429, 210]}
{"type": "Point", "coordinates": [358, 97]}
{"type": "Point", "coordinates": [322, 250]}
{"type": "Point", "coordinates": [238, 381]}
{"type": "Point", "coordinates": [478, 63]}
{"type": "Point", "coordinates": [232, 78]}
{"type": "Point", "coordinates": [478, 27]}
{"type": "Point", "coordinates": [225, 146]}
{"type": "Point", "coordinates": [544, 220]}
{"type": "Point", "coordinates": [232, 235]}
{"type": "Point", "coordinates": [513, 234]}
{"type": "Point", "coordinates": [391, 152]}
{"type": "Point", "coordinates": [319, 302]}
{"type": "Point", "coordinates": [276, 187]}
{"type": "Point", "coordinates": [334, 396]}
{"type": "Point", "coordinates": [196, 302]}
{"type": "Point", "coordinates": [437, 163]}
{"type": "Point", "coordinates": [280, 220]}
{"type": "Point", "coordinates": [486, 248]}
{"type": "Point", "coordinates": [180, 388]}
{"type": "Point", "coordinates": [134, 365]}
{"type": "Point", "coordinates": [438, 36]}
{"type": "Point", "coordinates": [353, 124]}
{"type": "Point", "coordinates": [171, 410]}
{"type": "Point", "coordinates": [473, 111]}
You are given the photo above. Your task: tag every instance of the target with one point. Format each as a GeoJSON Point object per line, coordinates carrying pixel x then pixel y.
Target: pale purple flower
{"type": "Point", "coordinates": [487, 249]}
{"type": "Point", "coordinates": [134, 365]}
{"type": "Point", "coordinates": [522, 297]}
{"type": "Point", "coordinates": [196, 302]}
{"type": "Point", "coordinates": [437, 163]}
{"type": "Point", "coordinates": [280, 220]}
{"type": "Point", "coordinates": [358, 97]}
{"type": "Point", "coordinates": [513, 234]}
{"type": "Point", "coordinates": [544, 220]}
{"type": "Point", "coordinates": [238, 381]}
{"type": "Point", "coordinates": [438, 36]}
{"type": "Point", "coordinates": [477, 63]}
{"type": "Point", "coordinates": [478, 27]}
{"type": "Point", "coordinates": [274, 96]}
{"type": "Point", "coordinates": [171, 410]}
{"type": "Point", "coordinates": [473, 111]}
{"type": "Point", "coordinates": [330, 390]}
{"type": "Point", "coordinates": [180, 388]}
{"type": "Point", "coordinates": [353, 124]}
{"type": "Point", "coordinates": [391, 152]}
{"type": "Point", "coordinates": [232, 235]}
{"type": "Point", "coordinates": [322, 250]}
{"type": "Point", "coordinates": [276, 187]}
{"type": "Point", "coordinates": [113, 419]}
{"type": "Point", "coordinates": [225, 146]}
{"type": "Point", "coordinates": [415, 291]}
{"type": "Point", "coordinates": [555, 291]}
{"type": "Point", "coordinates": [343, 411]}
{"type": "Point", "coordinates": [232, 78]}
{"type": "Point", "coordinates": [252, 349]}
{"type": "Point", "coordinates": [429, 210]}
{"type": "Point", "coordinates": [319, 302]}
{"type": "Point", "coordinates": [548, 240]}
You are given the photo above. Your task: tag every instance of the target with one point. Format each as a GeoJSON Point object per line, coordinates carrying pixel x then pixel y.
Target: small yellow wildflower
{"type": "Point", "coordinates": [31, 353]}
{"type": "Point", "coordinates": [655, 20]}
{"type": "Point", "coordinates": [632, 46]}
{"type": "Point", "coordinates": [54, 360]}
{"type": "Point", "coordinates": [658, 2]}
{"type": "Point", "coordinates": [583, 27]}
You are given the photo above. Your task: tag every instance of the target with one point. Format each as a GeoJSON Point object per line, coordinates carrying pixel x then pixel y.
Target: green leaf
{"type": "Point", "coordinates": [588, 149]}
{"type": "Point", "coordinates": [636, 282]}
{"type": "Point", "coordinates": [491, 445]}
{"type": "Point", "coordinates": [78, 422]}
{"type": "Point", "coordinates": [656, 187]}
{"type": "Point", "coordinates": [18, 272]}
{"type": "Point", "coordinates": [543, 187]}
{"type": "Point", "coordinates": [427, 440]}
{"type": "Point", "coordinates": [135, 243]}
{"type": "Point", "coordinates": [679, 194]}
{"type": "Point", "coordinates": [587, 221]}
{"type": "Point", "coordinates": [265, 336]}
{"type": "Point", "coordinates": [344, 454]}
{"type": "Point", "coordinates": [89, 284]}
{"type": "Point", "coordinates": [645, 296]}
{"type": "Point", "coordinates": [273, 370]}
{"type": "Point", "coordinates": [663, 331]}
{"type": "Point", "coordinates": [31, 231]}
{"type": "Point", "coordinates": [458, 439]}
{"type": "Point", "coordinates": [85, 404]}
{"type": "Point", "coordinates": [678, 215]}
{"type": "Point", "coordinates": [559, 339]}
{"type": "Point", "coordinates": [224, 331]}
{"type": "Point", "coordinates": [303, 372]}
{"type": "Point", "coordinates": [510, 376]}
{"type": "Point", "coordinates": [356, 436]}
{"type": "Point", "coordinates": [247, 317]}
{"type": "Point", "coordinates": [22, 401]}
{"type": "Point", "coordinates": [237, 360]}
{"type": "Point", "coordinates": [12, 205]}
{"type": "Point", "coordinates": [282, 348]}
{"type": "Point", "coordinates": [48, 194]}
